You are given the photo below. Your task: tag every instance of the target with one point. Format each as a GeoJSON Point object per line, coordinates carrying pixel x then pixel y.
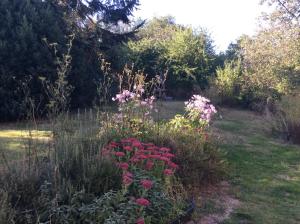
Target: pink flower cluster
{"type": "Point", "coordinates": [130, 154]}
{"type": "Point", "coordinates": [148, 102]}
{"type": "Point", "coordinates": [201, 105]}
{"type": "Point", "coordinates": [124, 97]}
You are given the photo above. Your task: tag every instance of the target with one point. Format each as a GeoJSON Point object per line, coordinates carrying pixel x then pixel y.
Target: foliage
{"type": "Point", "coordinates": [26, 24]}
{"type": "Point", "coordinates": [228, 82]}
{"type": "Point", "coordinates": [285, 118]}
{"type": "Point", "coordinates": [186, 54]}
{"type": "Point", "coordinates": [287, 11]}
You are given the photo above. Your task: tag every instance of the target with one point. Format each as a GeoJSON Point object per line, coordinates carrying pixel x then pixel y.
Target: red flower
{"type": "Point", "coordinates": [168, 172]}
{"type": "Point", "coordinates": [127, 148]}
{"type": "Point", "coordinates": [164, 149]}
{"type": "Point", "coordinates": [140, 221]}
{"type": "Point", "coordinates": [154, 156]}
{"type": "Point", "coordinates": [169, 155]}
{"type": "Point", "coordinates": [123, 166]}
{"type": "Point", "coordinates": [127, 178]}
{"type": "Point", "coordinates": [113, 145]}
{"type": "Point", "coordinates": [136, 144]}
{"type": "Point", "coordinates": [134, 159]}
{"type": "Point", "coordinates": [142, 157]}
{"type": "Point", "coordinates": [172, 165]}
{"type": "Point", "coordinates": [147, 184]}
{"type": "Point", "coordinates": [149, 165]}
{"type": "Point", "coordinates": [119, 154]}
{"type": "Point", "coordinates": [164, 158]}
{"type": "Point", "coordinates": [142, 202]}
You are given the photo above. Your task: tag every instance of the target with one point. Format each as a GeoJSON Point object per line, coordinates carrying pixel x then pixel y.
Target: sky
{"type": "Point", "coordinates": [225, 20]}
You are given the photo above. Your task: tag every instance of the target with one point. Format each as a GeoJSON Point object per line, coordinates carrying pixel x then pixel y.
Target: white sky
{"type": "Point", "coordinates": [225, 20]}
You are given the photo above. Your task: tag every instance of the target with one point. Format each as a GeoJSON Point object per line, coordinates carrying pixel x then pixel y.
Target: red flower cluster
{"type": "Point", "coordinates": [131, 152]}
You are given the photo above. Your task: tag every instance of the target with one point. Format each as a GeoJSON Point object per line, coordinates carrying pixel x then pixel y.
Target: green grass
{"type": "Point", "coordinates": [265, 173]}
{"type": "Point", "coordinates": [15, 140]}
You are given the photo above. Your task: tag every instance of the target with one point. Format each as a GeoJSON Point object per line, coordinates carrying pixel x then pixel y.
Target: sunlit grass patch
{"type": "Point", "coordinates": [15, 142]}
{"type": "Point", "coordinates": [23, 134]}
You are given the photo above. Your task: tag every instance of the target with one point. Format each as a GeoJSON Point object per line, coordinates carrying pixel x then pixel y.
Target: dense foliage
{"type": "Point", "coordinates": [187, 55]}
{"type": "Point", "coordinates": [34, 35]}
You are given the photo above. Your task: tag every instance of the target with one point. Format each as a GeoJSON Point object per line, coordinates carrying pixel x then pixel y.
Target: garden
{"type": "Point", "coordinates": [108, 118]}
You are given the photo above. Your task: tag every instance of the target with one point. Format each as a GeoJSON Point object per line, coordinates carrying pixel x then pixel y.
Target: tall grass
{"type": "Point", "coordinates": [286, 119]}
{"type": "Point", "coordinates": [33, 187]}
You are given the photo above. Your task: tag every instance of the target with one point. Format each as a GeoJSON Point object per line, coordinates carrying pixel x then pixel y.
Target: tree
{"type": "Point", "coordinates": [23, 54]}
{"type": "Point", "coordinates": [98, 26]}
{"type": "Point", "coordinates": [187, 54]}
{"type": "Point", "coordinates": [286, 10]}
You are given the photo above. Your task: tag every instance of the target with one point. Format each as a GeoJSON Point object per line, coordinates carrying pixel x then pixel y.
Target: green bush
{"type": "Point", "coordinates": [227, 82]}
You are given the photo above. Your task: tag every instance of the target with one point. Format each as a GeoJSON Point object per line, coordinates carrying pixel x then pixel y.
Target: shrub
{"type": "Point", "coordinates": [227, 83]}
{"type": "Point", "coordinates": [285, 118]}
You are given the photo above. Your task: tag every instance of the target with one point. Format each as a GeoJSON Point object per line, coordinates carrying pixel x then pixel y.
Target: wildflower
{"type": "Point", "coordinates": [172, 165]}
{"type": "Point", "coordinates": [140, 221]}
{"type": "Point", "coordinates": [136, 144]}
{"type": "Point", "coordinates": [123, 166]}
{"type": "Point", "coordinates": [142, 157]}
{"type": "Point", "coordinates": [168, 172]}
{"type": "Point", "coordinates": [164, 149]}
{"type": "Point", "coordinates": [169, 155]}
{"type": "Point", "coordinates": [119, 154]}
{"type": "Point", "coordinates": [147, 184]}
{"type": "Point", "coordinates": [154, 156]}
{"type": "Point", "coordinates": [202, 106]}
{"type": "Point", "coordinates": [127, 148]}
{"type": "Point", "coordinates": [127, 178]}
{"type": "Point", "coordinates": [134, 159]}
{"type": "Point", "coordinates": [142, 202]}
{"type": "Point", "coordinates": [164, 158]}
{"type": "Point", "coordinates": [149, 165]}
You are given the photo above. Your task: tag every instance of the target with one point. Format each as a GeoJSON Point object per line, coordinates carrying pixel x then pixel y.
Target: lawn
{"type": "Point", "coordinates": [15, 139]}
{"type": "Point", "coordinates": [264, 173]}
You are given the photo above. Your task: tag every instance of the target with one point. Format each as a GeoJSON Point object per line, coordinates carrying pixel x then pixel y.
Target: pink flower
{"type": "Point", "coordinates": [154, 156]}
{"type": "Point", "coordinates": [127, 178]}
{"type": "Point", "coordinates": [147, 184]}
{"type": "Point", "coordinates": [123, 166]}
{"type": "Point", "coordinates": [140, 221]}
{"type": "Point", "coordinates": [136, 144]}
{"type": "Point", "coordinates": [169, 155]}
{"type": "Point", "coordinates": [164, 149]}
{"type": "Point", "coordinates": [172, 165]}
{"type": "Point", "coordinates": [113, 144]}
{"type": "Point", "coordinates": [127, 148]}
{"type": "Point", "coordinates": [119, 154]}
{"type": "Point", "coordinates": [142, 202]}
{"type": "Point", "coordinates": [149, 165]}
{"type": "Point", "coordinates": [164, 158]}
{"type": "Point", "coordinates": [142, 157]}
{"type": "Point", "coordinates": [134, 159]}
{"type": "Point", "coordinates": [168, 172]}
